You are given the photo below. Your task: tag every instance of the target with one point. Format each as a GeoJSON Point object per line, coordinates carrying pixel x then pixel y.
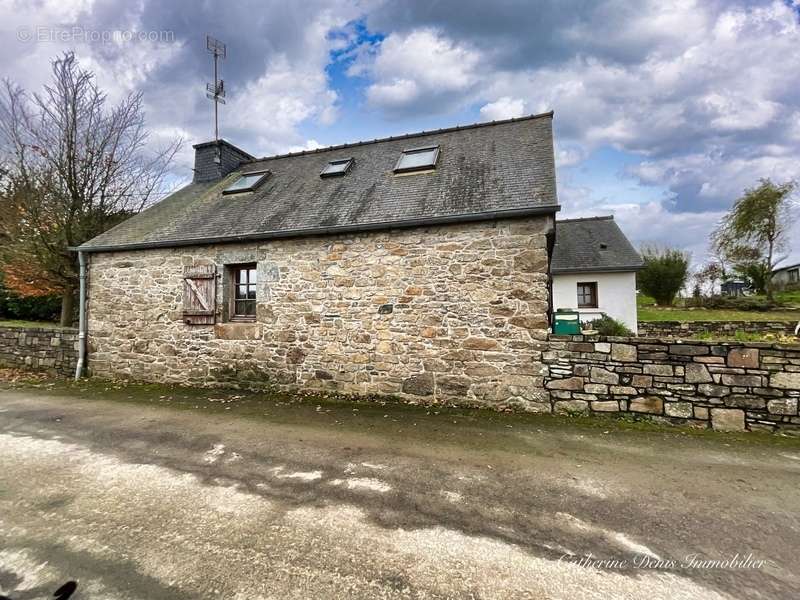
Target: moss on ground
{"type": "Point", "coordinates": [383, 415]}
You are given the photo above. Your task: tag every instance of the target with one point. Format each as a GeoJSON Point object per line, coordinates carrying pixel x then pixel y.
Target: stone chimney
{"type": "Point", "coordinates": [213, 160]}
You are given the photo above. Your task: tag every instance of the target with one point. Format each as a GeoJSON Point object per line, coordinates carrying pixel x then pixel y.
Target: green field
{"type": "Point", "coordinates": [16, 323]}
{"type": "Point", "coordinates": [648, 311]}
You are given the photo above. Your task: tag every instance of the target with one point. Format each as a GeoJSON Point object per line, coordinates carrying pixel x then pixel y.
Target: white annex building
{"type": "Point", "coordinates": [594, 270]}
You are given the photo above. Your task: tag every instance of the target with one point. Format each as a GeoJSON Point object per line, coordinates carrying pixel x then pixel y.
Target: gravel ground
{"type": "Point", "coordinates": [145, 493]}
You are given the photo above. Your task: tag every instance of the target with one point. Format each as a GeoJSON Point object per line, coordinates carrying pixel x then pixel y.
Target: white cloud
{"type": "Point", "coordinates": [269, 109]}
{"type": "Point", "coordinates": [422, 67]}
{"type": "Point", "coordinates": [503, 108]}
{"type": "Point", "coordinates": [274, 73]}
{"type": "Point", "coordinates": [705, 92]}
{"type": "Point", "coordinates": [311, 144]}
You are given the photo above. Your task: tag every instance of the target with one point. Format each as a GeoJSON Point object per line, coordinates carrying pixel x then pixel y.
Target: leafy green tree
{"type": "Point", "coordinates": [664, 273]}
{"type": "Point", "coordinates": [754, 235]}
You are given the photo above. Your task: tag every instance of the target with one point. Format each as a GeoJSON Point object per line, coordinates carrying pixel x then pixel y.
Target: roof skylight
{"type": "Point", "coordinates": [417, 159]}
{"type": "Point", "coordinates": [337, 167]}
{"type": "Point", "coordinates": [247, 182]}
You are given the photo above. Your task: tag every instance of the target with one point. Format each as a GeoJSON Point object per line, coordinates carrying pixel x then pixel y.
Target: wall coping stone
{"type": "Point", "coordinates": [53, 329]}
{"type": "Point", "coordinates": [668, 341]}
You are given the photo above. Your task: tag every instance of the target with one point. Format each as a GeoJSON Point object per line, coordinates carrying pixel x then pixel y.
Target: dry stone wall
{"type": "Point", "coordinates": [727, 386]}
{"type": "Point", "coordinates": [454, 313]}
{"type": "Point", "coordinates": [40, 349]}
{"type": "Point", "coordinates": [680, 329]}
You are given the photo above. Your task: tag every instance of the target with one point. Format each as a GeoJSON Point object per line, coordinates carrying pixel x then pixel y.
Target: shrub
{"type": "Point", "coordinates": [664, 273]}
{"type": "Point", "coordinates": [26, 308]}
{"type": "Point", "coordinates": [746, 303]}
{"type": "Point", "coordinates": [605, 325]}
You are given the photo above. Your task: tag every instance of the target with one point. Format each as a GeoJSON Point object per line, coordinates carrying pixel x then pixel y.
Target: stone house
{"type": "Point", "coordinates": [594, 270]}
{"type": "Point", "coordinates": [416, 266]}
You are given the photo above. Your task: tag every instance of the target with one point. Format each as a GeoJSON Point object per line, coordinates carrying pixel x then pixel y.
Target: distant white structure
{"type": "Point", "coordinates": [594, 270]}
{"type": "Point", "coordinates": [789, 275]}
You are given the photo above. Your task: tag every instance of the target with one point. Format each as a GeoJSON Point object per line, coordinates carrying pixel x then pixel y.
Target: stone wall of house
{"type": "Point", "coordinates": [682, 329]}
{"type": "Point", "coordinates": [451, 313]}
{"type": "Point", "coordinates": [53, 350]}
{"type": "Point", "coordinates": [727, 386]}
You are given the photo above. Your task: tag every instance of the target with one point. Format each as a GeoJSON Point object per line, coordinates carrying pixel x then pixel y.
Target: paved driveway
{"type": "Point", "coordinates": [139, 493]}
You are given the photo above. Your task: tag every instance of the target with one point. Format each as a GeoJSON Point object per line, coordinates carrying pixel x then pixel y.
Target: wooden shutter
{"type": "Point", "coordinates": [199, 295]}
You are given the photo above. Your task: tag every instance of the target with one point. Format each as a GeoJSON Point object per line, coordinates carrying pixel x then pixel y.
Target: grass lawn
{"type": "Point", "coordinates": [791, 299]}
{"type": "Point", "coordinates": [648, 311]}
{"type": "Point", "coordinates": [654, 313]}
{"type": "Point", "coordinates": [14, 323]}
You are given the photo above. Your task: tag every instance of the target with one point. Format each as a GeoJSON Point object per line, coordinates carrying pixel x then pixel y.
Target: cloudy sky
{"type": "Point", "coordinates": [664, 111]}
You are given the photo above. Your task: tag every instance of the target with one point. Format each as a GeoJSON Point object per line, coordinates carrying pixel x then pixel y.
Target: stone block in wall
{"type": "Point", "coordinates": [605, 406]}
{"type": "Point", "coordinates": [697, 373]}
{"type": "Point", "coordinates": [688, 350]}
{"type": "Point", "coordinates": [660, 370]}
{"type": "Point", "coordinates": [746, 358]}
{"type": "Point", "coordinates": [571, 406]}
{"type": "Point", "coordinates": [741, 380]}
{"type": "Point", "coordinates": [745, 401]}
{"type": "Point", "coordinates": [570, 383]}
{"type": "Point", "coordinates": [419, 385]}
{"type": "Point", "coordinates": [768, 392]}
{"type": "Point", "coordinates": [710, 360]}
{"type": "Point", "coordinates": [727, 419]}
{"type": "Point", "coordinates": [452, 385]}
{"type": "Point", "coordinates": [785, 380]}
{"type": "Point", "coordinates": [647, 404]}
{"type": "Point", "coordinates": [580, 347]}
{"type": "Point", "coordinates": [623, 390]}
{"type": "Point", "coordinates": [601, 375]}
{"type": "Point", "coordinates": [713, 390]}
{"type": "Point", "coordinates": [623, 352]}
{"type": "Point", "coordinates": [595, 388]}
{"type": "Point", "coordinates": [783, 406]}
{"type": "Point", "coordinates": [701, 412]}
{"type": "Point", "coordinates": [681, 410]}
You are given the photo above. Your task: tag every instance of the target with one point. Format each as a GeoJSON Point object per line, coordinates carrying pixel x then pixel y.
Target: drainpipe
{"type": "Point", "coordinates": [81, 317]}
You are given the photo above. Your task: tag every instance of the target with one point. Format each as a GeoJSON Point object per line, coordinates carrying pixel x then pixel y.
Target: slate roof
{"type": "Point", "coordinates": [579, 247]}
{"type": "Point", "coordinates": [786, 268]}
{"type": "Point", "coordinates": [484, 171]}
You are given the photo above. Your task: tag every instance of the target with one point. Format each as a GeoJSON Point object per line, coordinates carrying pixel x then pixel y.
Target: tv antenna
{"type": "Point", "coordinates": [216, 91]}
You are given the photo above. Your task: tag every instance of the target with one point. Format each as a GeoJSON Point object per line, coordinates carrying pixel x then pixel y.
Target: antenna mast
{"type": "Point", "coordinates": [216, 91]}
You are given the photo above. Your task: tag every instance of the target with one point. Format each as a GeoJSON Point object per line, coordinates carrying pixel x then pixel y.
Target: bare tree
{"type": "Point", "coordinates": [73, 167]}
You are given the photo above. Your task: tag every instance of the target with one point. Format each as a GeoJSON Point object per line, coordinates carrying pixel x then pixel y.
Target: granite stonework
{"type": "Point", "coordinates": [728, 386]}
{"type": "Point", "coordinates": [54, 350]}
{"type": "Point", "coordinates": [454, 313]}
{"type": "Point", "coordinates": [682, 329]}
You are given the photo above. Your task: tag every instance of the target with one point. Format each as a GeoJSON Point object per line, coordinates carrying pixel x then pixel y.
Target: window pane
{"type": "Point", "coordinates": [246, 182]}
{"type": "Point", "coordinates": [337, 167]}
{"type": "Point", "coordinates": [252, 276]}
{"type": "Point", "coordinates": [416, 159]}
{"type": "Point", "coordinates": [251, 292]}
{"type": "Point", "coordinates": [587, 295]}
{"type": "Point", "coordinates": [241, 276]}
{"type": "Point", "coordinates": [241, 292]}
